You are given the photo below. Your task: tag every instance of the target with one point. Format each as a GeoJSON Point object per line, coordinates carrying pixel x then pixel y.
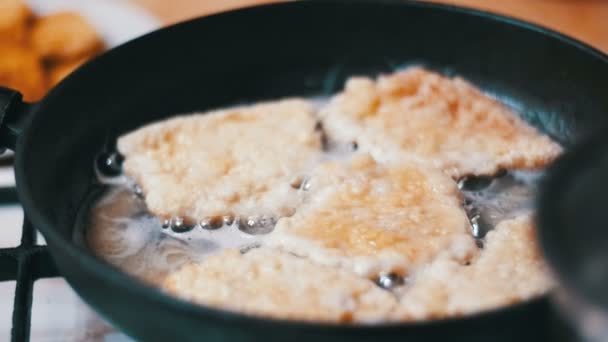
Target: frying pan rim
{"type": "Point", "coordinates": [118, 278]}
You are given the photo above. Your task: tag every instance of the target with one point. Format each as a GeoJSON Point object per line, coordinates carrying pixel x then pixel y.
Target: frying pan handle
{"type": "Point", "coordinates": [13, 112]}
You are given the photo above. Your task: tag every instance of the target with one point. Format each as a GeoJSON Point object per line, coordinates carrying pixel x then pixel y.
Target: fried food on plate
{"type": "Point", "coordinates": [372, 219]}
{"type": "Point", "coordinates": [238, 161]}
{"type": "Point", "coordinates": [14, 16]}
{"type": "Point", "coordinates": [64, 35]}
{"type": "Point", "coordinates": [443, 122]}
{"type": "Point", "coordinates": [280, 285]}
{"type": "Point", "coordinates": [509, 269]}
{"type": "Point", "coordinates": [21, 69]}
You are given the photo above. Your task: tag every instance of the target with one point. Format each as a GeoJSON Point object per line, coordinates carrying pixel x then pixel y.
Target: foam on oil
{"type": "Point", "coordinates": [124, 233]}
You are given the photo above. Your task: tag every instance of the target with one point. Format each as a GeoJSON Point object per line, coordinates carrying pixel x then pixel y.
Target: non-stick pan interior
{"type": "Point", "coordinates": [293, 49]}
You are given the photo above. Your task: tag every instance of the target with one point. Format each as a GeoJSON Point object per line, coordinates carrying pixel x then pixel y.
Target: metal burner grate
{"type": "Point", "coordinates": [25, 264]}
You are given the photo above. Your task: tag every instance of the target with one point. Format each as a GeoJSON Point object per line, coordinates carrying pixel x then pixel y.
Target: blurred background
{"type": "Point", "coordinates": [42, 41]}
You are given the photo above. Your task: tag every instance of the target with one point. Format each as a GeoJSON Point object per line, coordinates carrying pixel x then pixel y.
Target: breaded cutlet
{"type": "Point", "coordinates": [279, 285]}
{"type": "Point", "coordinates": [509, 269]}
{"type": "Point", "coordinates": [443, 122]}
{"type": "Point", "coordinates": [372, 218]}
{"type": "Point", "coordinates": [238, 161]}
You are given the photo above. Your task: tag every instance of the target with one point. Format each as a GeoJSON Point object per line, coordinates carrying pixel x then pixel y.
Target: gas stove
{"type": "Point", "coordinates": [35, 303]}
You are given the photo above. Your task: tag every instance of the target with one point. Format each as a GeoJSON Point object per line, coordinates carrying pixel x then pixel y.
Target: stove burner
{"type": "Point", "coordinates": [25, 263]}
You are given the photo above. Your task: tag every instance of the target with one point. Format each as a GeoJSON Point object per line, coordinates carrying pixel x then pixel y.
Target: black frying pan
{"type": "Point", "coordinates": [301, 48]}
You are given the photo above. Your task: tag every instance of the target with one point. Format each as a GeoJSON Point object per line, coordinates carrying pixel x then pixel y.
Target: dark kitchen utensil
{"type": "Point", "coordinates": [296, 48]}
{"type": "Point", "coordinates": [572, 217]}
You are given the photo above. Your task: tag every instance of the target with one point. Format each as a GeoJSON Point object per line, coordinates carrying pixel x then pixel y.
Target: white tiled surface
{"type": "Point", "coordinates": [7, 291]}
{"type": "Point", "coordinates": [58, 314]}
{"type": "Point", "coordinates": [7, 176]}
{"type": "Point", "coordinates": [11, 218]}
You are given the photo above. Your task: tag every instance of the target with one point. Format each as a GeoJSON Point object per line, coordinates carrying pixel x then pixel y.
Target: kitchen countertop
{"type": "Point", "coordinates": [586, 20]}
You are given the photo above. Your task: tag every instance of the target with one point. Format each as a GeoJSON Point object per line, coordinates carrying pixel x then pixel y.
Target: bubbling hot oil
{"type": "Point", "coordinates": [123, 232]}
{"type": "Point", "coordinates": [490, 200]}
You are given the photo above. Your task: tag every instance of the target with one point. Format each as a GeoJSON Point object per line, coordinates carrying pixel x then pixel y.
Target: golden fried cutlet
{"type": "Point", "coordinates": [64, 35]}
{"type": "Point", "coordinates": [508, 270]}
{"type": "Point", "coordinates": [280, 285]}
{"type": "Point", "coordinates": [446, 123]}
{"type": "Point", "coordinates": [237, 161]}
{"type": "Point", "coordinates": [372, 218]}
{"type": "Point", "coordinates": [21, 69]}
{"type": "Point", "coordinates": [14, 16]}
